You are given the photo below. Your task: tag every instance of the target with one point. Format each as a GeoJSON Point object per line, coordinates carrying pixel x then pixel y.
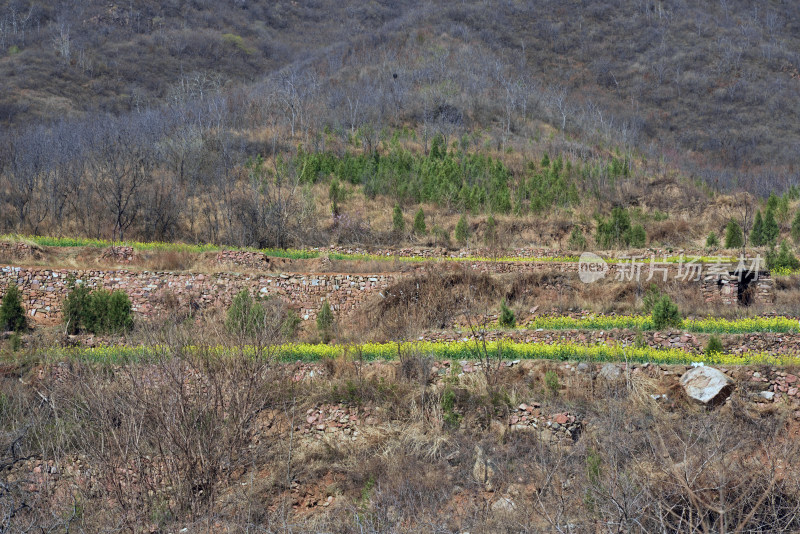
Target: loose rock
{"type": "Point", "coordinates": [707, 385]}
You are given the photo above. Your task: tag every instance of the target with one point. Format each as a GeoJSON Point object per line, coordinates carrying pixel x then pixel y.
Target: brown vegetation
{"type": "Point", "coordinates": [142, 155]}
{"type": "Point", "coordinates": [270, 125]}
{"type": "Point", "coordinates": [225, 444]}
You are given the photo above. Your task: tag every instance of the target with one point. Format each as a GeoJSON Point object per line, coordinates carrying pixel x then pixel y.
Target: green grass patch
{"type": "Point", "coordinates": [67, 242]}
{"type": "Point", "coordinates": [47, 241]}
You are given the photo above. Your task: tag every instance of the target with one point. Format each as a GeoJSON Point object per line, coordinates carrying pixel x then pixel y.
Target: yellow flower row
{"type": "Point", "coordinates": [456, 351]}
{"type": "Point", "coordinates": [708, 325]}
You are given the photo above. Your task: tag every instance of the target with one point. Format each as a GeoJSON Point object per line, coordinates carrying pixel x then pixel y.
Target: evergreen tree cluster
{"type": "Point", "coordinates": [782, 259]}
{"type": "Point", "coordinates": [617, 231]}
{"type": "Point", "coordinates": [99, 311]}
{"type": "Point", "coordinates": [765, 230]}
{"type": "Point", "coordinates": [471, 182]}
{"type": "Point", "coordinates": [456, 179]}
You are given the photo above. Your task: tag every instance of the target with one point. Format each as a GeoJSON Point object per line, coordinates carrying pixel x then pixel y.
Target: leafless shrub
{"type": "Point", "coordinates": [190, 438]}
{"type": "Point", "coordinates": [414, 366]}
{"type": "Point", "coordinates": [431, 300]}
{"type": "Point", "coordinates": [164, 436]}
{"type": "Point", "coordinates": [670, 232]}
{"type": "Point", "coordinates": [709, 478]}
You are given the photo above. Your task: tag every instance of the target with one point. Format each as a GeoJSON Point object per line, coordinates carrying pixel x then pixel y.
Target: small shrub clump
{"type": "Point", "coordinates": [771, 230]}
{"type": "Point", "coordinates": [490, 237]}
{"type": "Point", "coordinates": [665, 313]}
{"type": "Point", "coordinates": [325, 322]}
{"type": "Point", "coordinates": [462, 230]}
{"type": "Point", "coordinates": [12, 314]}
{"type": "Point", "coordinates": [291, 324]}
{"type": "Point", "coordinates": [336, 195]}
{"type": "Point", "coordinates": [577, 241]}
{"type": "Point", "coordinates": [75, 308]}
{"type": "Point", "coordinates": [783, 260]}
{"type": "Point", "coordinates": [398, 223]}
{"type": "Point", "coordinates": [551, 382]}
{"type": "Point", "coordinates": [261, 317]}
{"type": "Point", "coordinates": [650, 298]}
{"type": "Point", "coordinates": [795, 230]}
{"type": "Point", "coordinates": [419, 223]}
{"type": "Point", "coordinates": [246, 315]}
{"type": "Point", "coordinates": [734, 238]}
{"type": "Point", "coordinates": [637, 237]}
{"type": "Point", "coordinates": [757, 232]}
{"type": "Point", "coordinates": [448, 404]}
{"type": "Point", "coordinates": [714, 346]}
{"type": "Point", "coordinates": [507, 318]}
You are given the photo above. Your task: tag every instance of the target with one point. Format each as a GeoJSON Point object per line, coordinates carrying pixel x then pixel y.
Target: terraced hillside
{"type": "Point", "coordinates": [399, 267]}
{"type": "Point", "coordinates": [418, 373]}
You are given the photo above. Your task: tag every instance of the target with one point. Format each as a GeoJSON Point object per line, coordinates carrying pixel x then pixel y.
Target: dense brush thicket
{"type": "Point", "coordinates": [195, 438]}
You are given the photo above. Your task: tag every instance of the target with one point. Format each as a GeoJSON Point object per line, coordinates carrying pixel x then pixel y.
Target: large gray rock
{"type": "Point", "coordinates": [707, 385]}
{"type": "Point", "coordinates": [610, 372]}
{"type": "Point", "coordinates": [504, 505]}
{"type": "Point", "coordinates": [484, 469]}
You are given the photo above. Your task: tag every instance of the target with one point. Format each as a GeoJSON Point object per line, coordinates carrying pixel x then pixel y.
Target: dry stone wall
{"type": "Point", "coordinates": [44, 289]}
{"type": "Point", "coordinates": [722, 283]}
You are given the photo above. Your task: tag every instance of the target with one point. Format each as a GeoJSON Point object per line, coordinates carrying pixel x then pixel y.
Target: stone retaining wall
{"type": "Point", "coordinates": [44, 289]}
{"type": "Point", "coordinates": [717, 281]}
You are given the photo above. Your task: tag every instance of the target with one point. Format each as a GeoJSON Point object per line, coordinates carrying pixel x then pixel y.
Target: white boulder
{"type": "Point", "coordinates": [706, 384]}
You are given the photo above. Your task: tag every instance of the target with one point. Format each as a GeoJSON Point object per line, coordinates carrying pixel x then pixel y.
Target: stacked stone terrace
{"type": "Point", "coordinates": [44, 289]}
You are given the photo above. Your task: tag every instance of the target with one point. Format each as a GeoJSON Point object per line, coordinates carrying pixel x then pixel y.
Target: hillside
{"type": "Point", "coordinates": [711, 86]}
{"type": "Point", "coordinates": [398, 267]}
{"type": "Point", "coordinates": [73, 58]}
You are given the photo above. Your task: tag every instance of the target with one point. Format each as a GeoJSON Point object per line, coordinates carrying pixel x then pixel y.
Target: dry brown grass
{"type": "Point", "coordinates": [167, 260]}
{"type": "Point", "coordinates": [787, 295]}
{"type": "Point", "coordinates": [672, 232]}
{"type": "Point", "coordinates": [407, 467]}
{"type": "Point", "coordinates": [432, 299]}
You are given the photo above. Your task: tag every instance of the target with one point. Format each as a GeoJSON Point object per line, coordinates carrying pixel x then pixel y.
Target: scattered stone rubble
{"type": "Point", "coordinates": [340, 419]}
{"type": "Point", "coordinates": [19, 251]}
{"type": "Point", "coordinates": [352, 422]}
{"type": "Point", "coordinates": [119, 254]}
{"type": "Point", "coordinates": [561, 427]}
